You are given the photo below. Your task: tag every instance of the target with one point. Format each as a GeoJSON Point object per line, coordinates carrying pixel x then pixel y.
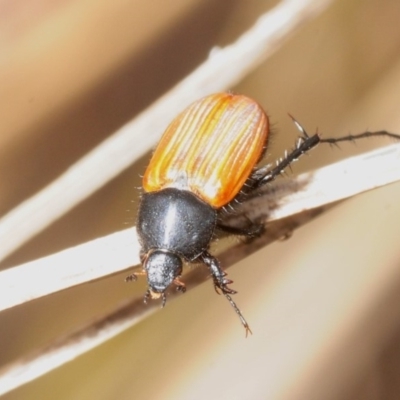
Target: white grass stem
{"type": "Point", "coordinates": [223, 69]}
{"type": "Point", "coordinates": [119, 251]}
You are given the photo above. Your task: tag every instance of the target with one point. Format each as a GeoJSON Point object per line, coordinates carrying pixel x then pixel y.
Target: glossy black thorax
{"type": "Point", "coordinates": [175, 220]}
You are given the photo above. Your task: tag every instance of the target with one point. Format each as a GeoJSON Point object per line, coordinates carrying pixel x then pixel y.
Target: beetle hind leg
{"type": "Point", "coordinates": [304, 144]}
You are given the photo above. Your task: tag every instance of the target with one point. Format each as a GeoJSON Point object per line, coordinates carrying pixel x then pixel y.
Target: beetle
{"type": "Point", "coordinates": [204, 161]}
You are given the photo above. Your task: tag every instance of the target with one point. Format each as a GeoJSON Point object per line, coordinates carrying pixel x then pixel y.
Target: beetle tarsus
{"type": "Point", "coordinates": [240, 315]}
{"type": "Point", "coordinates": [223, 286]}
{"type": "Point", "coordinates": [353, 138]}
{"type": "Point", "coordinates": [131, 278]}
{"type": "Point", "coordinates": [180, 286]}
{"type": "Point", "coordinates": [220, 284]}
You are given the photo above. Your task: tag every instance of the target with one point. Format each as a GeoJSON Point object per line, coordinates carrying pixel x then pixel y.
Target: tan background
{"type": "Point", "coordinates": [323, 305]}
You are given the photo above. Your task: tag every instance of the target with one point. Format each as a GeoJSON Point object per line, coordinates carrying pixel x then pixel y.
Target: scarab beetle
{"type": "Point", "coordinates": [206, 158]}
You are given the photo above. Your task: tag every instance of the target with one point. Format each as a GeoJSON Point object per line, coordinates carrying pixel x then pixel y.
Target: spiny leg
{"type": "Point", "coordinates": [133, 277]}
{"type": "Point", "coordinates": [252, 231]}
{"type": "Point", "coordinates": [305, 143]}
{"type": "Point", "coordinates": [180, 286]}
{"type": "Point", "coordinates": [220, 282]}
{"type": "Point", "coordinates": [219, 276]}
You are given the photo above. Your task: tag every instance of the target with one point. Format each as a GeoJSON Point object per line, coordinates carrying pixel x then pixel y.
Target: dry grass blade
{"type": "Point", "coordinates": [119, 251]}
{"type": "Point", "coordinates": [222, 70]}
{"type": "Point", "coordinates": [299, 200]}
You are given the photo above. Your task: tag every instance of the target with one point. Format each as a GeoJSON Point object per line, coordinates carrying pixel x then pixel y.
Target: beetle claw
{"type": "Point", "coordinates": [180, 286]}
{"type": "Point", "coordinates": [131, 278]}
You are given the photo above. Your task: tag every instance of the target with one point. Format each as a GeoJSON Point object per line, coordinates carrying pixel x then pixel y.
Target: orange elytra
{"type": "Point", "coordinates": [210, 148]}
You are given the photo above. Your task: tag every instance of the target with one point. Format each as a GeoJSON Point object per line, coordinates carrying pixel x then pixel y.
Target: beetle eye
{"type": "Point", "coordinates": [162, 268]}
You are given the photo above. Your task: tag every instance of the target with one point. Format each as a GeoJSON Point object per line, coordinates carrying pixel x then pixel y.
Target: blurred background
{"type": "Point", "coordinates": [324, 306]}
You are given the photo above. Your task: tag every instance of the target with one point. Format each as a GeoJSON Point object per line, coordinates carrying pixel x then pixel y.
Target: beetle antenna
{"type": "Point", "coordinates": [240, 315]}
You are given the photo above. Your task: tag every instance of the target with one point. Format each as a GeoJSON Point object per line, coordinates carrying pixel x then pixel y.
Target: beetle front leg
{"type": "Point", "coordinates": [180, 286]}
{"type": "Point", "coordinates": [133, 277]}
{"type": "Point", "coordinates": [220, 282]}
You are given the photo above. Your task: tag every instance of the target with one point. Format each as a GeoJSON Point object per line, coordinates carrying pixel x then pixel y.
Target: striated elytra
{"type": "Point", "coordinates": [210, 148]}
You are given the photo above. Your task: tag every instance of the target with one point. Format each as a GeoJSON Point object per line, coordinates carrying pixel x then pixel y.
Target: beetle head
{"type": "Point", "coordinates": [161, 267]}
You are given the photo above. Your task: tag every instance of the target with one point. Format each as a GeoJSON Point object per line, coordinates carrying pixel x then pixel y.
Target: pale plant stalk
{"type": "Point", "coordinates": [119, 251]}
{"type": "Point", "coordinates": [306, 196]}
{"type": "Point", "coordinates": [222, 70]}
{"type": "Point", "coordinates": [113, 253]}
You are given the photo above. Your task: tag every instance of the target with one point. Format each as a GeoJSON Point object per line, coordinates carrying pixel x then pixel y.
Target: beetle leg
{"type": "Point", "coordinates": [220, 282]}
{"type": "Point", "coordinates": [180, 286]}
{"type": "Point", "coordinates": [264, 175]}
{"type": "Point", "coordinates": [133, 277]}
{"type": "Point", "coordinates": [304, 144]}
{"type": "Point", "coordinates": [252, 231]}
